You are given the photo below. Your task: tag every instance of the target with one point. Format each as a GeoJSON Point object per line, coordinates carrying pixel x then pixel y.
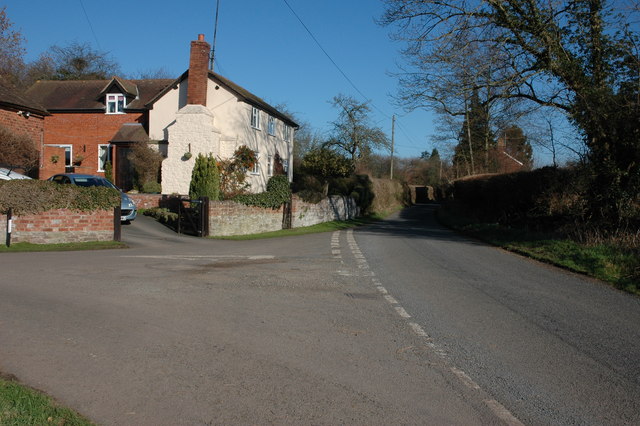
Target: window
{"type": "Point", "coordinates": [287, 133]}
{"type": "Point", "coordinates": [271, 126]}
{"type": "Point", "coordinates": [256, 166]}
{"type": "Point", "coordinates": [104, 154]}
{"type": "Point", "coordinates": [255, 118]}
{"type": "Point", "coordinates": [115, 103]}
{"type": "Point", "coordinates": [270, 165]}
{"type": "Point", "coordinates": [285, 166]}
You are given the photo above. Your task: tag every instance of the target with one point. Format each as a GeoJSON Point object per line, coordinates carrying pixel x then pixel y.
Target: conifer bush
{"type": "Point", "coordinates": [205, 178]}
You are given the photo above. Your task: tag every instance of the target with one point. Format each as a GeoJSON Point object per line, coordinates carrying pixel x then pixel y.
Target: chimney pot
{"type": "Point", "coordinates": [200, 37]}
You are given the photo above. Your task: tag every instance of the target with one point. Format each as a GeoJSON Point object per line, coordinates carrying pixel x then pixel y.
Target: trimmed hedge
{"type": "Point", "coordinates": [542, 197]}
{"type": "Point", "coordinates": [278, 192]}
{"type": "Point", "coordinates": [36, 196]}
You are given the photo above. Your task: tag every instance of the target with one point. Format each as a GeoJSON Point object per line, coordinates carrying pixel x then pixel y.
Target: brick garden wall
{"type": "Point", "coordinates": [147, 201]}
{"type": "Point", "coordinates": [60, 226]}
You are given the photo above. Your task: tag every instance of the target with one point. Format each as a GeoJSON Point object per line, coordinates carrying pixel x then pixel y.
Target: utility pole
{"type": "Point", "coordinates": [393, 135]}
{"type": "Point", "coordinates": [212, 56]}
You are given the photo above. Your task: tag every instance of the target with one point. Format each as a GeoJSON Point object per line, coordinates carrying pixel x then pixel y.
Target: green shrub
{"type": "Point", "coordinates": [162, 214]}
{"type": "Point", "coordinates": [152, 188]}
{"type": "Point", "coordinates": [146, 163]}
{"type": "Point", "coordinates": [35, 196]}
{"type": "Point", "coordinates": [205, 178]}
{"type": "Point", "coordinates": [108, 171]}
{"type": "Point", "coordinates": [278, 192]}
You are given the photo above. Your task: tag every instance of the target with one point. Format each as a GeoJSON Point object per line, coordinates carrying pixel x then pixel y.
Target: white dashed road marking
{"type": "Point", "coordinates": [498, 409]}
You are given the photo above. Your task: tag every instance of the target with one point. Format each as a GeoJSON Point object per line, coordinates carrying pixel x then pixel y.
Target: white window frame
{"type": "Point", "coordinates": [271, 125]}
{"type": "Point", "coordinates": [287, 133]}
{"type": "Point", "coordinates": [270, 165]}
{"type": "Point", "coordinates": [114, 99]}
{"type": "Point", "coordinates": [255, 170]}
{"type": "Point", "coordinates": [108, 156]}
{"type": "Point", "coordinates": [285, 165]}
{"type": "Point", "coordinates": [68, 161]}
{"type": "Point", "coordinates": [255, 118]}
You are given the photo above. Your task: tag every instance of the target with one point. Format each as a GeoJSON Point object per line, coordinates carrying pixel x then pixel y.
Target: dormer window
{"type": "Point", "coordinates": [115, 103]}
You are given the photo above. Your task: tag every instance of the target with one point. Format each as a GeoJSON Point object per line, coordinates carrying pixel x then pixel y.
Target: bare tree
{"type": "Point", "coordinates": [578, 56]}
{"type": "Point", "coordinates": [79, 61]}
{"type": "Point", "coordinates": [11, 50]}
{"type": "Point", "coordinates": [353, 133]}
{"type": "Point", "coordinates": [17, 150]}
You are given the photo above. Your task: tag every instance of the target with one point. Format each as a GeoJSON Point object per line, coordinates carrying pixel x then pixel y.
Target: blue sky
{"type": "Point", "coordinates": [260, 45]}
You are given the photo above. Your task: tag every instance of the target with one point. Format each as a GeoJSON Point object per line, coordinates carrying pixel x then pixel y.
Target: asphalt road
{"type": "Point", "coordinates": [552, 347]}
{"type": "Point", "coordinates": [398, 323]}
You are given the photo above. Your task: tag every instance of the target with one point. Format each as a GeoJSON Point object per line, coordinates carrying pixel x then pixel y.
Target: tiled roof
{"type": "Point", "coordinates": [250, 98]}
{"type": "Point", "coordinates": [84, 94]}
{"type": "Point", "coordinates": [12, 98]}
{"type": "Point", "coordinates": [242, 93]}
{"type": "Point", "coordinates": [131, 132]}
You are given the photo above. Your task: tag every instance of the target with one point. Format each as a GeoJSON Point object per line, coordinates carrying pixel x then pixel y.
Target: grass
{"type": "Point", "coordinates": [20, 405]}
{"type": "Point", "coordinates": [607, 262]}
{"type": "Point", "coordinates": [92, 245]}
{"type": "Point", "coordinates": [314, 229]}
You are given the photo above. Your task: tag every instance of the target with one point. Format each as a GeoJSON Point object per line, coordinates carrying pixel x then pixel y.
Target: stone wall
{"type": "Point", "coordinates": [60, 226]}
{"type": "Point", "coordinates": [332, 208]}
{"type": "Point", "coordinates": [231, 218]}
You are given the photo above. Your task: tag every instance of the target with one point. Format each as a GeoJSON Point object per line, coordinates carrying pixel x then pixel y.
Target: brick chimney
{"type": "Point", "coordinates": [198, 72]}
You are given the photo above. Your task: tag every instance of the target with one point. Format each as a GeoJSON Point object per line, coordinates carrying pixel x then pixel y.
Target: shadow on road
{"type": "Point", "coordinates": [418, 221]}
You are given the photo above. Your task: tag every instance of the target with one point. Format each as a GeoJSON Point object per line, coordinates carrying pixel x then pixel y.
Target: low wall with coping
{"type": "Point", "coordinates": [60, 226]}
{"type": "Point", "coordinates": [231, 218]}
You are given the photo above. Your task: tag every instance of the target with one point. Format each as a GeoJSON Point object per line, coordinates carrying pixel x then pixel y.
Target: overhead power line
{"type": "Point", "coordinates": [325, 52]}
{"type": "Point", "coordinates": [346, 77]}
{"type": "Point", "coordinates": [90, 26]}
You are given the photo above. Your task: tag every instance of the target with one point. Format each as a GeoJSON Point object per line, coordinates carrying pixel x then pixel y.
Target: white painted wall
{"type": "Point", "coordinates": [191, 132]}
{"type": "Point", "coordinates": [227, 122]}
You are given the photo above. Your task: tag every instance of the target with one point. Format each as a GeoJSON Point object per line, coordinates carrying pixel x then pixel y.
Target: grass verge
{"type": "Point", "coordinates": [615, 265]}
{"type": "Point", "coordinates": [20, 405]}
{"type": "Point", "coordinates": [92, 245]}
{"type": "Point", "coordinates": [314, 229]}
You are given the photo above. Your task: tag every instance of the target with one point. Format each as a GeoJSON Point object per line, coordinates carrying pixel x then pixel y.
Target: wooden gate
{"type": "Point", "coordinates": [193, 217]}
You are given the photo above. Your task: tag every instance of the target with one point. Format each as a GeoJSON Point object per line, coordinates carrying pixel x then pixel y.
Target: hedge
{"type": "Point", "coordinates": [543, 196]}
{"type": "Point", "coordinates": [278, 192]}
{"type": "Point", "coordinates": [36, 196]}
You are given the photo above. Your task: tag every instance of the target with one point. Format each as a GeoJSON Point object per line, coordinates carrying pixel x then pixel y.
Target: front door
{"type": "Point", "coordinates": [124, 170]}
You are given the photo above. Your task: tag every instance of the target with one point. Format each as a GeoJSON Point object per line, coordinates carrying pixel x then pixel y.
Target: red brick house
{"type": "Point", "coordinates": [88, 120]}
{"type": "Point", "coordinates": [22, 115]}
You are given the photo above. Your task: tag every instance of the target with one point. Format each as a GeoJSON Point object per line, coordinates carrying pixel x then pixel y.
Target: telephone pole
{"type": "Point", "coordinates": [393, 135]}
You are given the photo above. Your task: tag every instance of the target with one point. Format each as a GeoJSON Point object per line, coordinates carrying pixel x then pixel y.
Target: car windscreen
{"type": "Point", "coordinates": [92, 182]}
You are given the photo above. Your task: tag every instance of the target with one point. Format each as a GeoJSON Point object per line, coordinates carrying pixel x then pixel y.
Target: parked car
{"type": "Point", "coordinates": [8, 174]}
{"type": "Point", "coordinates": [128, 208]}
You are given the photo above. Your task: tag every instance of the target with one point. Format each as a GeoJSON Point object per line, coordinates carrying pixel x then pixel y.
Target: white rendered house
{"type": "Point", "coordinates": [203, 112]}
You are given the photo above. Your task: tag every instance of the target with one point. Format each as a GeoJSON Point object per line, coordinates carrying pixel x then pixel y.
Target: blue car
{"type": "Point", "coordinates": [128, 208]}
